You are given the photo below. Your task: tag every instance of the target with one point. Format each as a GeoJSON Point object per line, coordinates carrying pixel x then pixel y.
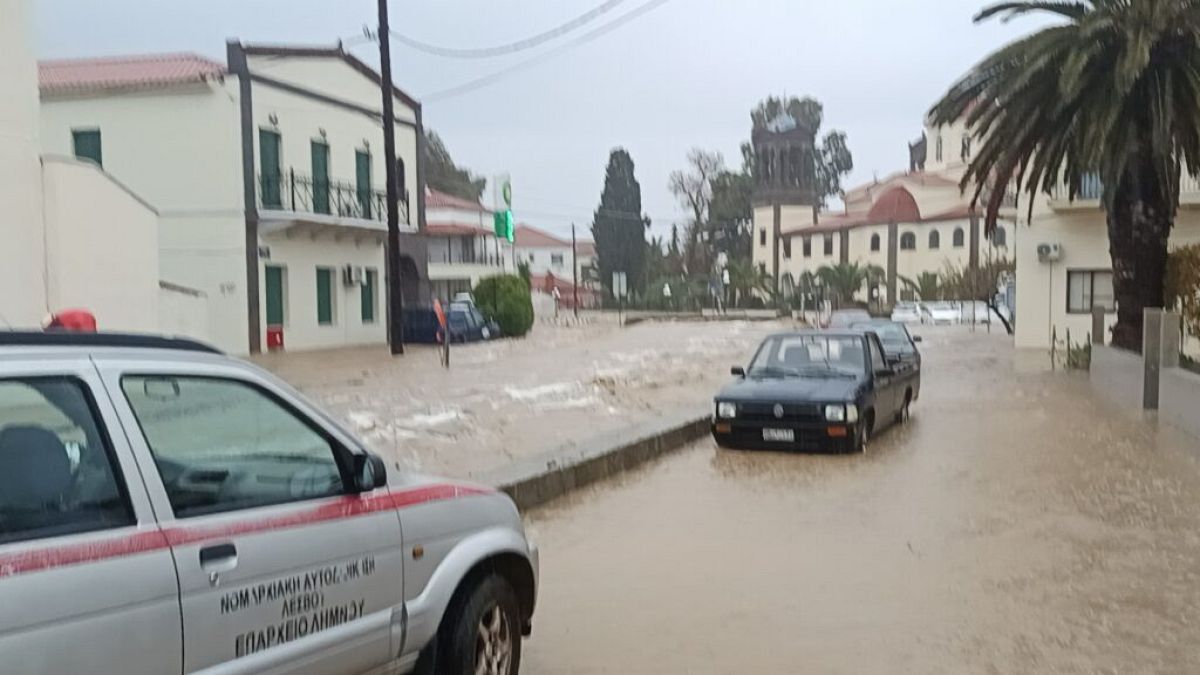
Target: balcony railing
{"type": "Point", "coordinates": [292, 191]}
{"type": "Point", "coordinates": [489, 259]}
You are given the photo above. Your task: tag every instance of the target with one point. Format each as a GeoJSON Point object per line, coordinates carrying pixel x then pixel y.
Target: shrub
{"type": "Point", "coordinates": [505, 299]}
{"type": "Point", "coordinates": [1183, 285]}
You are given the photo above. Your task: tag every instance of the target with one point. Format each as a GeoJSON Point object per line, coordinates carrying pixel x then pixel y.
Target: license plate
{"type": "Point", "coordinates": [786, 435]}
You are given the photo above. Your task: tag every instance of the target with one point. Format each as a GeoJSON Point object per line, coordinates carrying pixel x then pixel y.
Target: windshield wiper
{"type": "Point", "coordinates": [775, 370]}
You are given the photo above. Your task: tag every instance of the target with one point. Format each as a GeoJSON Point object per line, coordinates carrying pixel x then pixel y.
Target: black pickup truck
{"type": "Point", "coordinates": [812, 391]}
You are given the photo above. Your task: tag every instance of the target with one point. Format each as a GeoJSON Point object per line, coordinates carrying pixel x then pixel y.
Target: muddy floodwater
{"type": "Point", "coordinates": [1013, 526]}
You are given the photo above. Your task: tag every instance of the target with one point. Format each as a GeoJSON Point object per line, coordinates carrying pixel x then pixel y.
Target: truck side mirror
{"type": "Point", "coordinates": [737, 371]}
{"type": "Point", "coordinates": [369, 472]}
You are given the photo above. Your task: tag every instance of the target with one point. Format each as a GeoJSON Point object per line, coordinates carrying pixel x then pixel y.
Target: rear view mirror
{"type": "Point", "coordinates": [737, 371]}
{"type": "Point", "coordinates": [369, 472]}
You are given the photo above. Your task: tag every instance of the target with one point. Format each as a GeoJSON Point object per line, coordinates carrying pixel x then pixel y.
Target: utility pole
{"type": "Point", "coordinates": [574, 274]}
{"type": "Point", "coordinates": [395, 298]}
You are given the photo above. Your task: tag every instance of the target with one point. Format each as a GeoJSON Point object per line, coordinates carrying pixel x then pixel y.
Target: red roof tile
{"type": "Point", "coordinates": [528, 236]}
{"type": "Point", "coordinates": [125, 72]}
{"type": "Point", "coordinates": [435, 199]}
{"type": "Point", "coordinates": [897, 205]}
{"type": "Point", "coordinates": [456, 229]}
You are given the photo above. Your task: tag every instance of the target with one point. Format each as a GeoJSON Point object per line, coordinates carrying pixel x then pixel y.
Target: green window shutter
{"type": "Point", "coordinates": [370, 283]}
{"type": "Point", "coordinates": [324, 296]}
{"type": "Point", "coordinates": [320, 177]}
{"type": "Point", "coordinates": [362, 181]}
{"type": "Point", "coordinates": [87, 145]}
{"type": "Point", "coordinates": [274, 283]}
{"type": "Point", "coordinates": [269, 169]}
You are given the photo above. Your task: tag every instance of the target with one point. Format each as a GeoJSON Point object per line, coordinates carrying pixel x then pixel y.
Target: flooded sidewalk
{"type": "Point", "coordinates": [507, 400]}
{"type": "Point", "coordinates": [1014, 526]}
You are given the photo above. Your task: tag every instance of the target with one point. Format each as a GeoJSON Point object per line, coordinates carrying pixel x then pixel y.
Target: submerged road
{"type": "Point", "coordinates": [1013, 526]}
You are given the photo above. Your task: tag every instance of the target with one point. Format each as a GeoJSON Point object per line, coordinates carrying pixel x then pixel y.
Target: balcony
{"type": "Point", "coordinates": [467, 257]}
{"type": "Point", "coordinates": [282, 197]}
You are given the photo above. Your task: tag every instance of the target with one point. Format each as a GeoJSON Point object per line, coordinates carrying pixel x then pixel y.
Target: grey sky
{"type": "Point", "coordinates": [685, 74]}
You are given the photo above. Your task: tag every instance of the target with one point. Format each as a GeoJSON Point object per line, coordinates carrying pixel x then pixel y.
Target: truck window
{"type": "Point", "coordinates": [223, 445]}
{"type": "Point", "coordinates": [57, 474]}
{"type": "Point", "coordinates": [877, 361]}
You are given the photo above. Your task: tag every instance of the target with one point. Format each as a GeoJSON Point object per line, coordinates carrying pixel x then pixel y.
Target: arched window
{"type": "Point", "coordinates": [999, 237]}
{"type": "Point", "coordinates": [875, 242]}
{"type": "Point", "coordinates": [908, 241]}
{"type": "Point", "coordinates": [935, 240]}
{"type": "Point", "coordinates": [958, 237]}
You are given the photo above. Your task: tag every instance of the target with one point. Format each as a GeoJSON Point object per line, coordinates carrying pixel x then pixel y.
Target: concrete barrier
{"type": "Point", "coordinates": [1179, 399]}
{"type": "Point", "coordinates": [540, 479]}
{"type": "Point", "coordinates": [1118, 376]}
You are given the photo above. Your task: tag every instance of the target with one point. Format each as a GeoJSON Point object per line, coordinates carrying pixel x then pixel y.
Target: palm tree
{"type": "Point", "coordinates": [745, 279]}
{"type": "Point", "coordinates": [927, 286]}
{"type": "Point", "coordinates": [845, 280]}
{"type": "Point", "coordinates": [1112, 91]}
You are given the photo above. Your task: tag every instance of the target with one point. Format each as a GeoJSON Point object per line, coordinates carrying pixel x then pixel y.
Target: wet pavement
{"type": "Point", "coordinates": [1014, 525]}
{"type": "Point", "coordinates": [558, 388]}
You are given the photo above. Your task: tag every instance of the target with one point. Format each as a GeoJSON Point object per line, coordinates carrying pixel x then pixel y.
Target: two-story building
{"type": "Point", "coordinates": [557, 265]}
{"type": "Point", "coordinates": [267, 172]}
{"type": "Point", "coordinates": [462, 244]}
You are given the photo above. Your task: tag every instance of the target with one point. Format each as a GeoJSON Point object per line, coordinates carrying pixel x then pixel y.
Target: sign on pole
{"type": "Point", "coordinates": [620, 285]}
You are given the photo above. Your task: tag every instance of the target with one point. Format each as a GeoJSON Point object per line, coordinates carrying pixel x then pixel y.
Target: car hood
{"type": "Point", "coordinates": [793, 389]}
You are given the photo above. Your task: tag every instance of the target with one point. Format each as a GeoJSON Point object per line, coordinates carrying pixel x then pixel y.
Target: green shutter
{"type": "Point", "coordinates": [271, 174]}
{"type": "Point", "coordinates": [324, 296]}
{"type": "Point", "coordinates": [370, 283]}
{"type": "Point", "coordinates": [87, 145]}
{"type": "Point", "coordinates": [362, 181]}
{"type": "Point", "coordinates": [274, 295]}
{"type": "Point", "coordinates": [320, 177]}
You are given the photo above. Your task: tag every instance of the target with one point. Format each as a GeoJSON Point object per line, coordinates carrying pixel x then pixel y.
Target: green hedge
{"type": "Point", "coordinates": [505, 299]}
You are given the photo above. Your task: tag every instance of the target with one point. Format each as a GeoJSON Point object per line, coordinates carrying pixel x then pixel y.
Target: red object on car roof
{"type": "Point", "coordinates": [74, 320]}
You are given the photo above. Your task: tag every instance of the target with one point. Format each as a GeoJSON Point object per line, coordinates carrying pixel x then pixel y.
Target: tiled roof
{"type": "Point", "coordinates": [435, 199]}
{"type": "Point", "coordinates": [124, 72]}
{"type": "Point", "coordinates": [899, 215]}
{"type": "Point", "coordinates": [528, 236]}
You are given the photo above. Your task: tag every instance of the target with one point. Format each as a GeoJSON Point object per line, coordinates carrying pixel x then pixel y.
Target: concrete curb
{"type": "Point", "coordinates": [536, 481]}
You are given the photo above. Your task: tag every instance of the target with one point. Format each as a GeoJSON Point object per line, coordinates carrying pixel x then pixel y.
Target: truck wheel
{"type": "Point", "coordinates": [483, 631]}
{"type": "Point", "coordinates": [902, 415]}
{"type": "Point", "coordinates": [864, 434]}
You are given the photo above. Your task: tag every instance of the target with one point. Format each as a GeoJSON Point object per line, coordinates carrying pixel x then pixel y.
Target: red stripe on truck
{"type": "Point", "coordinates": [175, 534]}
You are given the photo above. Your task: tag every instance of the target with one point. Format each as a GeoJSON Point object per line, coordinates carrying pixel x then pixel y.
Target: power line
{"type": "Point", "coordinates": [586, 37]}
{"type": "Point", "coordinates": [512, 47]}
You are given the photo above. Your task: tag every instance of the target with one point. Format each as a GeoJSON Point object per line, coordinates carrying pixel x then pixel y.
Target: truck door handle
{"type": "Point", "coordinates": [217, 554]}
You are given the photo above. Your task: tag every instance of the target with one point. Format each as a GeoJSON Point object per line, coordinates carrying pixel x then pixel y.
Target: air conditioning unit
{"type": "Point", "coordinates": [352, 275]}
{"type": "Point", "coordinates": [1049, 253]}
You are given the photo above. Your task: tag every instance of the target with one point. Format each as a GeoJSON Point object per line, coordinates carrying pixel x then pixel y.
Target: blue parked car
{"type": "Point", "coordinates": [467, 324]}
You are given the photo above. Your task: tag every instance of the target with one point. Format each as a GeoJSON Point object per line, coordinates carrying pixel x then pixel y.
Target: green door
{"type": "Point", "coordinates": [324, 296]}
{"type": "Point", "coordinates": [320, 176]}
{"type": "Point", "coordinates": [362, 181]}
{"type": "Point", "coordinates": [274, 283]}
{"type": "Point", "coordinates": [271, 173]}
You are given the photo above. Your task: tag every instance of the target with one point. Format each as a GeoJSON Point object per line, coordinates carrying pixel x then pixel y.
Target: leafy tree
{"type": "Point", "coordinates": [927, 286]}
{"type": "Point", "coordinates": [745, 280]}
{"type": "Point", "coordinates": [1111, 89]}
{"type": "Point", "coordinates": [845, 280]}
{"type": "Point", "coordinates": [524, 271]}
{"type": "Point", "coordinates": [505, 299]}
{"type": "Point", "coordinates": [442, 174]}
{"type": "Point", "coordinates": [831, 158]}
{"type": "Point", "coordinates": [963, 283]}
{"type": "Point", "coordinates": [730, 214]}
{"type": "Point", "coordinates": [618, 227]}
{"type": "Point", "coordinates": [1183, 285]}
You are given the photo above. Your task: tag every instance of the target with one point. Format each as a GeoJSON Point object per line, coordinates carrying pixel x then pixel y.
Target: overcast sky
{"type": "Point", "coordinates": [683, 75]}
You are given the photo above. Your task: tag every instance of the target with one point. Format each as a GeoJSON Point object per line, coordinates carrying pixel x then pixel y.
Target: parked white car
{"type": "Point", "coordinates": [942, 313]}
{"type": "Point", "coordinates": [907, 312]}
{"type": "Point", "coordinates": [168, 509]}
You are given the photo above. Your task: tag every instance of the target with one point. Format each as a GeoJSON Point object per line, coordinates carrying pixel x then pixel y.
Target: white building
{"type": "Point", "coordinates": [907, 224]}
{"type": "Point", "coordinates": [462, 244]}
{"type": "Point", "coordinates": [267, 172]}
{"type": "Point", "coordinates": [548, 254]}
{"type": "Point", "coordinates": [72, 235]}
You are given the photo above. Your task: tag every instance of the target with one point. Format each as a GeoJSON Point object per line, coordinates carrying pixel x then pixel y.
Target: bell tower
{"type": "Point", "coordinates": [784, 186]}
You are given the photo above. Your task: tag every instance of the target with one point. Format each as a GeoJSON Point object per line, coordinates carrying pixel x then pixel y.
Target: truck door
{"type": "Point", "coordinates": [87, 584]}
{"type": "Point", "coordinates": [282, 566]}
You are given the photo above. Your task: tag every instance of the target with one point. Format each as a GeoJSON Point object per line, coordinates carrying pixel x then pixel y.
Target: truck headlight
{"type": "Point", "coordinates": [835, 413]}
{"type": "Point", "coordinates": [851, 413]}
{"type": "Point", "coordinates": [726, 410]}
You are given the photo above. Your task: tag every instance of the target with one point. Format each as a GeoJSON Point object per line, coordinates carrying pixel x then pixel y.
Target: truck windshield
{"type": "Point", "coordinates": [805, 355]}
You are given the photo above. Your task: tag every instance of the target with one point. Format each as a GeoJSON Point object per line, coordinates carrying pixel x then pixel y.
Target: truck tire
{"type": "Point", "coordinates": [482, 632]}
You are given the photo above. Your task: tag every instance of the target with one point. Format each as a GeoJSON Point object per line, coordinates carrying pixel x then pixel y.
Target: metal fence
{"type": "Point", "coordinates": [292, 191]}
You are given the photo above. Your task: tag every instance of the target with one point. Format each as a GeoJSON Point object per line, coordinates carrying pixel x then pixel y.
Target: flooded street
{"type": "Point", "coordinates": [1013, 526]}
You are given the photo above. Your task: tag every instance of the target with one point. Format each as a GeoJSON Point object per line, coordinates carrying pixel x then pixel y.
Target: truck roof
{"type": "Point", "coordinates": [102, 339]}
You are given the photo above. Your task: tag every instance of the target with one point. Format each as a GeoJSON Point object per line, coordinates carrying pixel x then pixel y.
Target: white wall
{"type": "Point", "coordinates": [22, 256]}
{"type": "Point", "coordinates": [179, 149]}
{"type": "Point", "coordinates": [182, 311]}
{"type": "Point", "coordinates": [300, 256]}
{"type": "Point", "coordinates": [541, 261]}
{"type": "Point", "coordinates": [101, 247]}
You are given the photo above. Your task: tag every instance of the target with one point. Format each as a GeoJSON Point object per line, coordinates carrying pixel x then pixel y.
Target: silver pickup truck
{"type": "Point", "coordinates": [167, 509]}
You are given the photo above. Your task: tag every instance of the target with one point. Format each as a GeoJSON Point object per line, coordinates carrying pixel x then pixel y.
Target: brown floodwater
{"type": "Point", "coordinates": [1013, 526]}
